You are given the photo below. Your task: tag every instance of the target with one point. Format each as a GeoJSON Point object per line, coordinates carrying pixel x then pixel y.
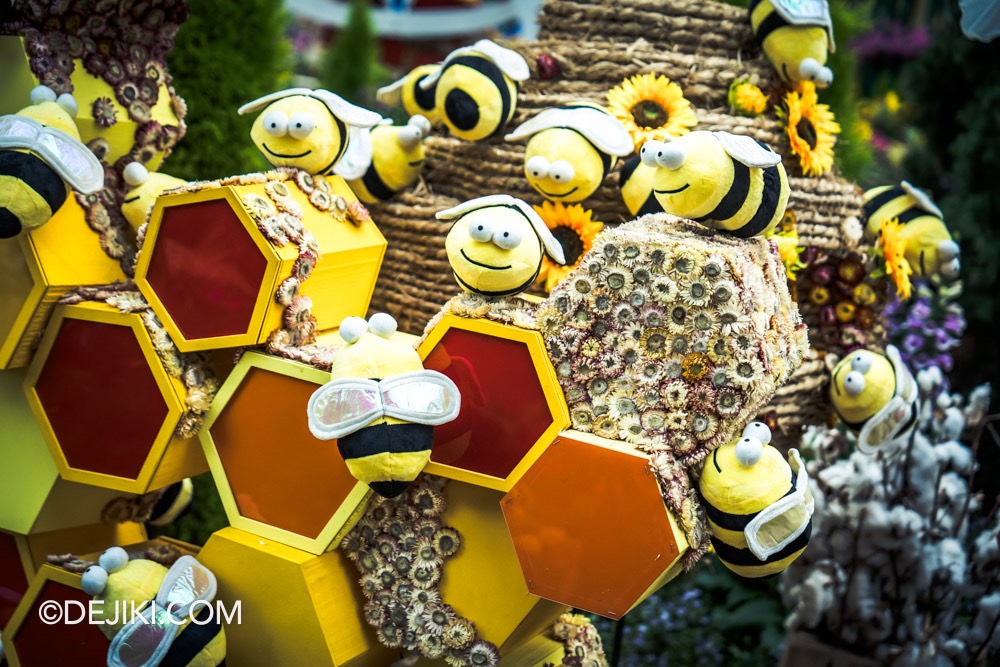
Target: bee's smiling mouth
{"type": "Point", "coordinates": [282, 155]}
{"type": "Point", "coordinates": [485, 266]}
{"type": "Point", "coordinates": [673, 192]}
{"type": "Point", "coordinates": [552, 194]}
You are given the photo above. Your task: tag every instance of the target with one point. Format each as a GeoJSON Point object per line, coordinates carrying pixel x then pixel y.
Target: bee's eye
{"type": "Point", "coordinates": [854, 383]}
{"type": "Point", "coordinates": [507, 236]}
{"type": "Point", "coordinates": [480, 230]}
{"type": "Point", "coordinates": [94, 579]}
{"type": "Point", "coordinates": [561, 171]}
{"type": "Point", "coordinates": [861, 363]}
{"type": "Point", "coordinates": [276, 123]}
{"type": "Point", "coordinates": [301, 124]}
{"type": "Point", "coordinates": [537, 167]}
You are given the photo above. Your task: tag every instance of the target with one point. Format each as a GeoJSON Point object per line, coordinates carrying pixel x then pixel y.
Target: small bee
{"type": "Point", "coordinates": [174, 502]}
{"type": "Point", "coordinates": [306, 129]}
{"type": "Point", "coordinates": [496, 245]}
{"type": "Point", "coordinates": [759, 506]}
{"type": "Point", "coordinates": [41, 157]}
{"type": "Point", "coordinates": [795, 37]}
{"type": "Point", "coordinates": [381, 405]}
{"type": "Point", "coordinates": [476, 91]}
{"type": "Point", "coordinates": [406, 92]}
{"type": "Point", "coordinates": [929, 248]}
{"type": "Point", "coordinates": [144, 188]}
{"type": "Point", "coordinates": [635, 180]}
{"type": "Point", "coordinates": [390, 160]}
{"type": "Point", "coordinates": [875, 396]}
{"type": "Point", "coordinates": [721, 180]}
{"type": "Point", "coordinates": [571, 149]}
{"type": "Point", "coordinates": [166, 626]}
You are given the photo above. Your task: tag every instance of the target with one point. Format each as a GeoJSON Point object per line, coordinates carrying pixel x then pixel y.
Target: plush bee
{"type": "Point", "coordinates": [173, 503]}
{"type": "Point", "coordinates": [41, 157]}
{"type": "Point", "coordinates": [635, 180]}
{"type": "Point", "coordinates": [144, 188]}
{"type": "Point", "coordinates": [307, 129]}
{"type": "Point", "coordinates": [476, 89]}
{"type": "Point", "coordinates": [173, 623]}
{"type": "Point", "coordinates": [389, 160]}
{"type": "Point", "coordinates": [496, 245]}
{"type": "Point", "coordinates": [759, 506]}
{"type": "Point", "coordinates": [876, 397]}
{"type": "Point", "coordinates": [381, 405]}
{"type": "Point", "coordinates": [795, 36]}
{"type": "Point", "coordinates": [406, 92]}
{"type": "Point", "coordinates": [571, 149]}
{"type": "Point", "coordinates": [927, 246]}
{"type": "Point", "coordinates": [722, 180]}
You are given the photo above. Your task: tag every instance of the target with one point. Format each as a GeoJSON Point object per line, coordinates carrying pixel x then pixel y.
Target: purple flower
{"type": "Point", "coordinates": [912, 343]}
{"type": "Point", "coordinates": [954, 324]}
{"type": "Point", "coordinates": [943, 341]}
{"type": "Point", "coordinates": [921, 309]}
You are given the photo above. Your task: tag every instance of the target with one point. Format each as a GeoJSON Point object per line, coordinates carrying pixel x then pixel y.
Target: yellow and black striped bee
{"type": "Point", "coordinates": [795, 37]}
{"type": "Point", "coordinates": [144, 188]}
{"type": "Point", "coordinates": [635, 180]}
{"type": "Point", "coordinates": [927, 245]}
{"type": "Point", "coordinates": [155, 616]}
{"type": "Point", "coordinates": [721, 180]}
{"type": "Point", "coordinates": [476, 92]}
{"type": "Point", "coordinates": [759, 506]}
{"type": "Point", "coordinates": [41, 158]}
{"type": "Point", "coordinates": [406, 92]}
{"type": "Point", "coordinates": [381, 405]}
{"type": "Point", "coordinates": [394, 156]}
{"type": "Point", "coordinates": [175, 500]}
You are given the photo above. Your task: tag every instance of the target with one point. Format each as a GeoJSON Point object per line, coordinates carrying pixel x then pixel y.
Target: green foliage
{"type": "Point", "coordinates": [227, 53]}
{"type": "Point", "coordinates": [351, 67]}
{"type": "Point", "coordinates": [204, 518]}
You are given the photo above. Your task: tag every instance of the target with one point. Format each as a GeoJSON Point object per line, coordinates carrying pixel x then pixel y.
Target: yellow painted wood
{"type": "Point", "coordinates": [298, 608]}
{"type": "Point", "coordinates": [341, 285]}
{"type": "Point", "coordinates": [62, 254]}
{"type": "Point", "coordinates": [78, 540]}
{"type": "Point", "coordinates": [546, 377]}
{"type": "Point", "coordinates": [171, 458]}
{"type": "Point", "coordinates": [33, 498]}
{"type": "Point", "coordinates": [483, 581]}
{"type": "Point", "coordinates": [342, 520]}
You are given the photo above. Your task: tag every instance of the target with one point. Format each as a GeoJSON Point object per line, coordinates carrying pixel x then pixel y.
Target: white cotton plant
{"type": "Point", "coordinates": [902, 566]}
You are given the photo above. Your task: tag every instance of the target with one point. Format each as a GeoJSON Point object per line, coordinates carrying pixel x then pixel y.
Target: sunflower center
{"type": "Point", "coordinates": [649, 114]}
{"type": "Point", "coordinates": [571, 243]}
{"type": "Point", "coordinates": [807, 131]}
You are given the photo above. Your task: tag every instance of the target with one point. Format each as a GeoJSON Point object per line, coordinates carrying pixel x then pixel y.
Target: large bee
{"type": "Point", "coordinates": [571, 149]}
{"type": "Point", "coordinates": [875, 396]}
{"type": "Point", "coordinates": [928, 247]}
{"type": "Point", "coordinates": [635, 180]}
{"type": "Point", "coordinates": [759, 506]}
{"type": "Point", "coordinates": [721, 180]}
{"type": "Point", "coordinates": [389, 161]}
{"type": "Point", "coordinates": [41, 157]}
{"type": "Point", "coordinates": [476, 92]}
{"type": "Point", "coordinates": [162, 630]}
{"type": "Point", "coordinates": [381, 405]}
{"type": "Point", "coordinates": [406, 92]}
{"type": "Point", "coordinates": [795, 37]}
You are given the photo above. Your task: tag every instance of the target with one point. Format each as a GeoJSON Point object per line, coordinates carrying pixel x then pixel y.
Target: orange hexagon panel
{"type": "Point", "coordinates": [512, 405]}
{"type": "Point", "coordinates": [590, 527]}
{"type": "Point", "coordinates": [106, 406]}
{"type": "Point", "coordinates": [211, 274]}
{"type": "Point", "coordinates": [274, 477]}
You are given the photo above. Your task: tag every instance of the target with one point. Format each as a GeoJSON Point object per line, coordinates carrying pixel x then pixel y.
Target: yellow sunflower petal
{"type": "Point", "coordinates": [651, 106]}
{"type": "Point", "coordinates": [575, 230]}
{"type": "Point", "coordinates": [811, 129]}
{"type": "Point", "coordinates": [893, 250]}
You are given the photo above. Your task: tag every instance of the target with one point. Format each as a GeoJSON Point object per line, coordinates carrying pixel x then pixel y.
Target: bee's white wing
{"type": "Point", "coordinates": [747, 150]}
{"type": "Point", "coordinates": [806, 13]}
{"type": "Point", "coordinates": [923, 199]}
{"type": "Point", "coordinates": [358, 156]}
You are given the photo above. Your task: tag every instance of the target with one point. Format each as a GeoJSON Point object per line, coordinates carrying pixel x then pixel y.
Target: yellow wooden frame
{"type": "Point", "coordinates": [345, 516]}
{"type": "Point", "coordinates": [546, 377]}
{"type": "Point", "coordinates": [265, 295]}
{"type": "Point", "coordinates": [165, 445]}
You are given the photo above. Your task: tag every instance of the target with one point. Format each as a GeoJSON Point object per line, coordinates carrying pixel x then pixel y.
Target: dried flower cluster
{"type": "Point", "coordinates": [580, 640]}
{"type": "Point", "coordinates": [902, 565]}
{"type": "Point", "coordinates": [671, 338]}
{"type": "Point", "coordinates": [399, 546]}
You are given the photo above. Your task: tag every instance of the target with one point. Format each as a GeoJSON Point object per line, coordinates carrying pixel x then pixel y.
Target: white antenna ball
{"type": "Point", "coordinates": [135, 174]}
{"type": "Point", "coordinates": [353, 328]}
{"type": "Point", "coordinates": [382, 324]}
{"type": "Point", "coordinates": [758, 430]}
{"type": "Point", "coordinates": [748, 451]}
{"type": "Point", "coordinates": [41, 94]}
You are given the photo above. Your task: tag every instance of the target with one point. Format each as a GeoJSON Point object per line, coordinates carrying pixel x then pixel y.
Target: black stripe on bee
{"type": "Point", "coordinates": [651, 205]}
{"type": "Point", "coordinates": [912, 213]}
{"type": "Point", "coordinates": [383, 438]}
{"type": "Point", "coordinates": [35, 173]}
{"type": "Point", "coordinates": [881, 199]}
{"type": "Point", "coordinates": [771, 22]}
{"type": "Point", "coordinates": [194, 638]}
{"type": "Point", "coordinates": [424, 98]}
{"type": "Point", "coordinates": [746, 558]}
{"type": "Point", "coordinates": [734, 198]}
{"type": "Point", "coordinates": [769, 197]}
{"type": "Point", "coordinates": [496, 77]}
{"type": "Point", "coordinates": [736, 521]}
{"type": "Point", "coordinates": [375, 185]}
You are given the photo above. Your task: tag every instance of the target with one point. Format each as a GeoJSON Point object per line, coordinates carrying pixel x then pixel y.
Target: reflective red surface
{"type": "Point", "coordinates": [279, 473]}
{"type": "Point", "coordinates": [13, 583]}
{"type": "Point", "coordinates": [61, 643]}
{"type": "Point", "coordinates": [589, 527]}
{"type": "Point", "coordinates": [206, 269]}
{"type": "Point", "coordinates": [101, 398]}
{"type": "Point", "coordinates": [504, 411]}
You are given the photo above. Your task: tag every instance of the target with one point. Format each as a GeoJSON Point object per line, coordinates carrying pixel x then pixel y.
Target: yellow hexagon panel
{"type": "Point", "coordinates": [512, 405]}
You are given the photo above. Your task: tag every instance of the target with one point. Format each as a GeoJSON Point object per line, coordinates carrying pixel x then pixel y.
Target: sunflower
{"type": "Point", "coordinates": [787, 241]}
{"type": "Point", "coordinates": [651, 107]}
{"type": "Point", "coordinates": [746, 99]}
{"type": "Point", "coordinates": [811, 128]}
{"type": "Point", "coordinates": [575, 230]}
{"type": "Point", "coordinates": [896, 265]}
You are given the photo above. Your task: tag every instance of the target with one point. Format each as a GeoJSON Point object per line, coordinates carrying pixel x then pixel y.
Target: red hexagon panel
{"type": "Point", "coordinates": [206, 269]}
{"type": "Point", "coordinates": [13, 583]}
{"type": "Point", "coordinates": [590, 527]}
{"type": "Point", "coordinates": [38, 643]}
